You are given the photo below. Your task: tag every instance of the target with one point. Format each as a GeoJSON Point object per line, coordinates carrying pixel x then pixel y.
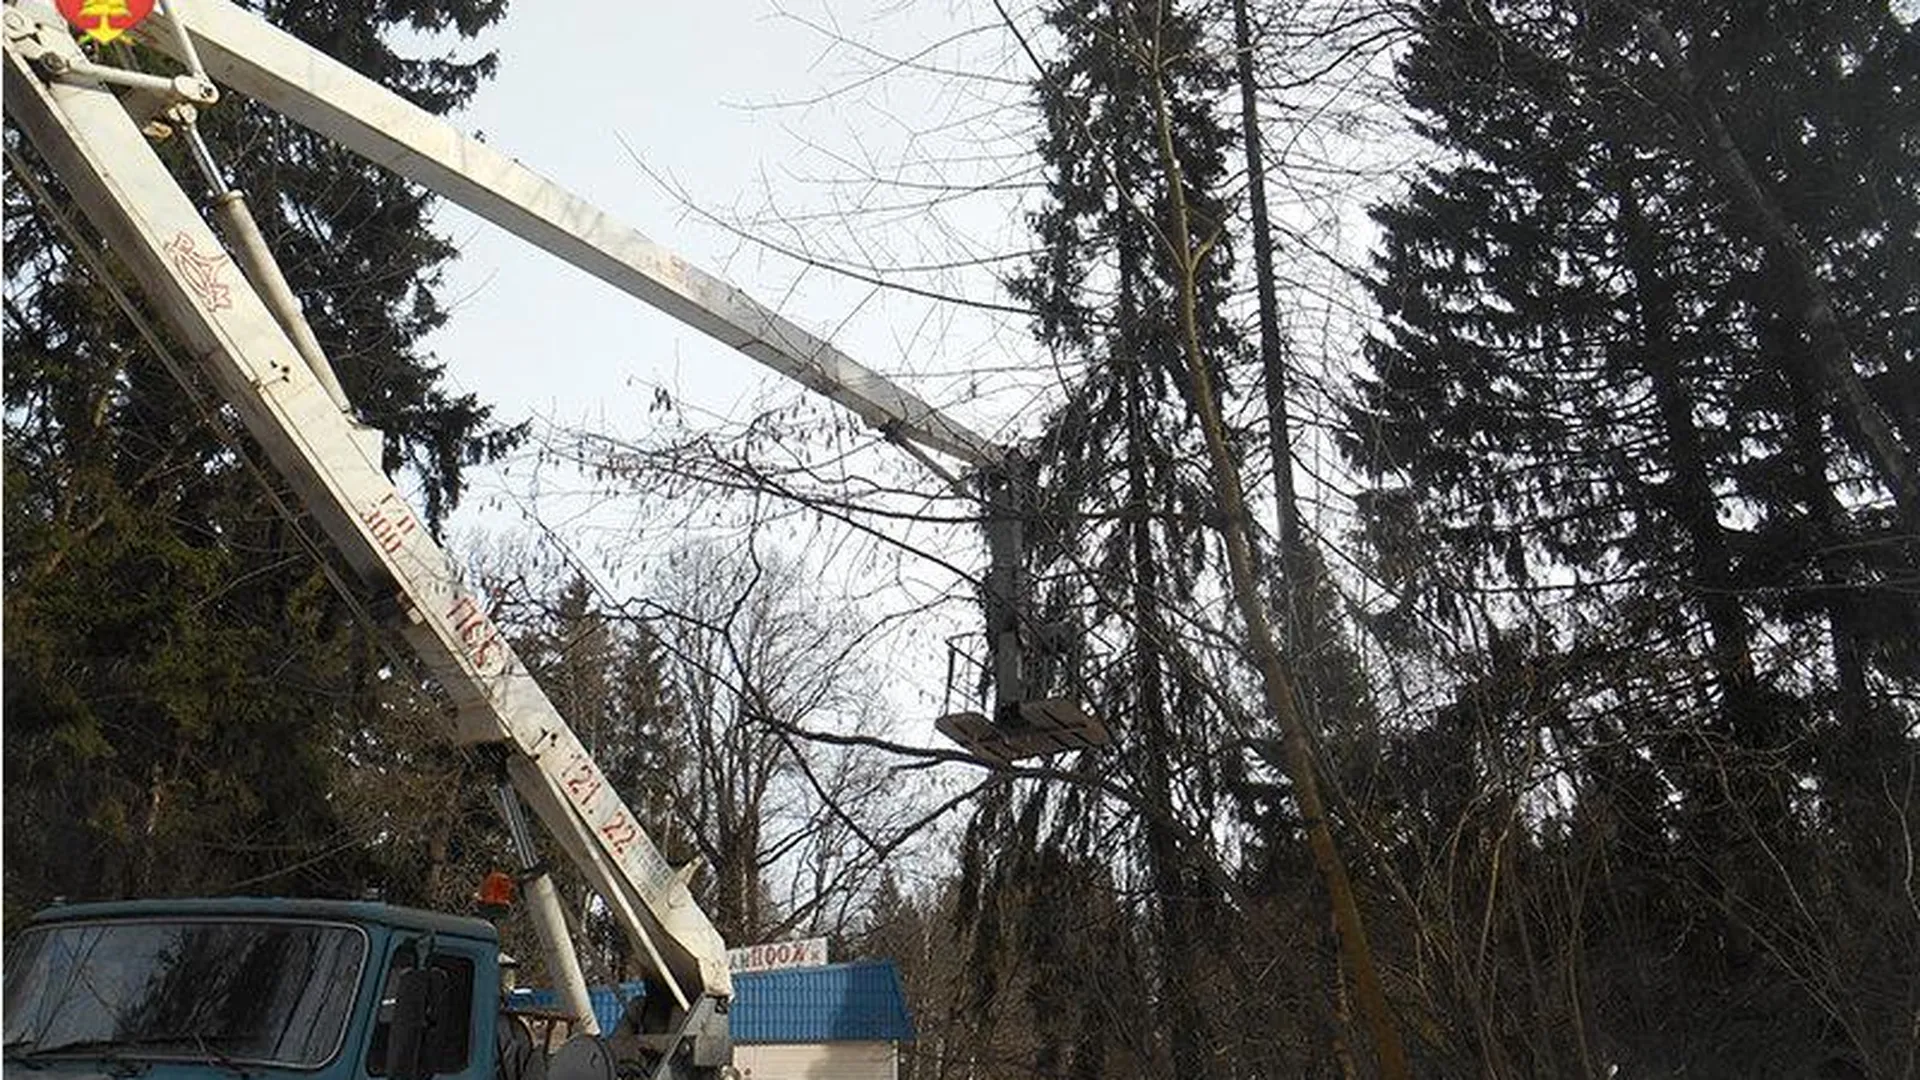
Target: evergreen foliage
{"type": "Point", "coordinates": [183, 686]}
{"type": "Point", "coordinates": [1123, 552]}
{"type": "Point", "coordinates": [1599, 429]}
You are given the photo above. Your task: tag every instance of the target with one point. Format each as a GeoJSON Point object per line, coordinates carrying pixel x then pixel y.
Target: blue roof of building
{"type": "Point", "coordinates": [861, 1001]}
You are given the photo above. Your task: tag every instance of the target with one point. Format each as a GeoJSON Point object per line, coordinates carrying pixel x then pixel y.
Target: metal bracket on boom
{"type": "Point", "coordinates": [543, 899]}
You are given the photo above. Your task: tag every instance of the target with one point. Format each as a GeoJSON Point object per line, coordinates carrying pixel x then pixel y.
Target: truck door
{"type": "Point", "coordinates": [460, 1043]}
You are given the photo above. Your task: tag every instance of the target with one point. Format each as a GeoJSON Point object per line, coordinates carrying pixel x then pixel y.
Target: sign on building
{"type": "Point", "coordinates": [807, 952]}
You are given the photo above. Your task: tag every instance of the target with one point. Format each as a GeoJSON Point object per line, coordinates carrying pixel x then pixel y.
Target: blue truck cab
{"type": "Point", "coordinates": [261, 988]}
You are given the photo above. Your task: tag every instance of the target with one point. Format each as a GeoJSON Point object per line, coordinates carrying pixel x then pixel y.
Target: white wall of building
{"type": "Point", "coordinates": [817, 1061]}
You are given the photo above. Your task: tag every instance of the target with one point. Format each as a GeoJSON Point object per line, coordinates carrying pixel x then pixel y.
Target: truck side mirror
{"type": "Point", "coordinates": [420, 1004]}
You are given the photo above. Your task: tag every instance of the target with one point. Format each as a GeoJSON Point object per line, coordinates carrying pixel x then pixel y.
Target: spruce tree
{"type": "Point", "coordinates": [1121, 545]}
{"type": "Point", "coordinates": [1599, 421]}
{"type": "Point", "coordinates": [183, 686]}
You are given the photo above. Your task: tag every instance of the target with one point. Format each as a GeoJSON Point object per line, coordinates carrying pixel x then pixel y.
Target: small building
{"type": "Point", "coordinates": [845, 1021]}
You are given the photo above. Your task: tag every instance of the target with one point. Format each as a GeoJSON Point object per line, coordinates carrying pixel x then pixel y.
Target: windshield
{"type": "Point", "coordinates": [275, 993]}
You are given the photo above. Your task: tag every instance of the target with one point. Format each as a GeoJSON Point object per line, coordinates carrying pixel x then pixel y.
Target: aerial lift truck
{"type": "Point", "coordinates": [208, 275]}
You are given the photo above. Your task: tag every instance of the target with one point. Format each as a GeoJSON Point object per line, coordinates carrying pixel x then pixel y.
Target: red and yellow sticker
{"type": "Point", "coordinates": [104, 20]}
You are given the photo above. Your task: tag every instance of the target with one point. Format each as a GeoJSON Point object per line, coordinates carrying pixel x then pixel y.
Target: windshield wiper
{"type": "Point", "coordinates": [118, 1046]}
{"type": "Point", "coordinates": [18, 1049]}
{"type": "Point", "coordinates": [112, 1051]}
{"type": "Point", "coordinates": [78, 1046]}
{"type": "Point", "coordinates": [119, 1051]}
{"type": "Point", "coordinates": [220, 1058]}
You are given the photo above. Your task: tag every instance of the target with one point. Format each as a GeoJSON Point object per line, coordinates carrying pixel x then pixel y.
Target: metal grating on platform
{"type": "Point", "coordinates": [1048, 726]}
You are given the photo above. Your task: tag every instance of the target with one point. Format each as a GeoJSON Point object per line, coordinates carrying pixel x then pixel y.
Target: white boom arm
{"type": "Point", "coordinates": [81, 128]}
{"type": "Point", "coordinates": [242, 52]}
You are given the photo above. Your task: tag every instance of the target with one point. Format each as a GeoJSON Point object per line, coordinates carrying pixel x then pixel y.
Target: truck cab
{"type": "Point", "coordinates": [210, 989]}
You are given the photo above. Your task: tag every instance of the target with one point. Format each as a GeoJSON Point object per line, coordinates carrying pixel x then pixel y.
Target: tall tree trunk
{"type": "Point", "coordinates": [1272, 359]}
{"type": "Point", "coordinates": [1736, 805]}
{"type": "Point", "coordinates": [1869, 740]}
{"type": "Point", "coordinates": [1825, 515]}
{"type": "Point", "coordinates": [1300, 612]}
{"type": "Point", "coordinates": [1832, 356]}
{"type": "Point", "coordinates": [1689, 496]}
{"type": "Point", "coordinates": [1155, 739]}
{"type": "Point", "coordinates": [1275, 683]}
